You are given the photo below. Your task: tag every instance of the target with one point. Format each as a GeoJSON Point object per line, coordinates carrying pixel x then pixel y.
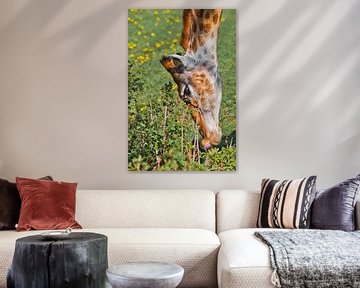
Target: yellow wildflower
{"type": "Point", "coordinates": [152, 34]}
{"type": "Point", "coordinates": [140, 58]}
{"type": "Point", "coordinates": [131, 45]}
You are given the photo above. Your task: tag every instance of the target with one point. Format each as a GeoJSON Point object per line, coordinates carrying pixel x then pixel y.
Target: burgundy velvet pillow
{"type": "Point", "coordinates": [334, 208]}
{"type": "Point", "coordinates": [46, 204]}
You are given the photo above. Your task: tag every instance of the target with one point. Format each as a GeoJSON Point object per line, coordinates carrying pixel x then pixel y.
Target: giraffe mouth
{"type": "Point", "coordinates": [205, 144]}
{"type": "Point", "coordinates": [210, 132]}
{"type": "Point", "coordinates": [211, 140]}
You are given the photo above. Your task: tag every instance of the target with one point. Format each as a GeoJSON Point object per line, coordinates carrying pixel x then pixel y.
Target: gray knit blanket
{"type": "Point", "coordinates": [313, 258]}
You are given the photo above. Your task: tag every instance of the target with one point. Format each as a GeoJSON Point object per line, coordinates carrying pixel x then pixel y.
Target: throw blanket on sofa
{"type": "Point", "coordinates": [314, 258]}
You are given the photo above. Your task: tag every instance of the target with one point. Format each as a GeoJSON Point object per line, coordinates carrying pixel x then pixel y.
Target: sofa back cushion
{"type": "Point", "coordinates": [146, 209]}
{"type": "Point", "coordinates": [236, 209]}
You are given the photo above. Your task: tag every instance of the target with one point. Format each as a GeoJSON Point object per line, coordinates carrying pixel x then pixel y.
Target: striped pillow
{"type": "Point", "coordinates": [286, 204]}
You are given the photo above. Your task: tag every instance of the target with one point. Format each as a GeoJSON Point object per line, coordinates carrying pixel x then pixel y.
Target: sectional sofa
{"type": "Point", "coordinates": [210, 235]}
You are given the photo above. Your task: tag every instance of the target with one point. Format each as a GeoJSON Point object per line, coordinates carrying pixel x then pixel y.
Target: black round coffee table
{"type": "Point", "coordinates": [79, 260]}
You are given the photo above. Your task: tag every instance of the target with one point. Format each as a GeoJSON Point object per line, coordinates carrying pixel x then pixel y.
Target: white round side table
{"type": "Point", "coordinates": [145, 275]}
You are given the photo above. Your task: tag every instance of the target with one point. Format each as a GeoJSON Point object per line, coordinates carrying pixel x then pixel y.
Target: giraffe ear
{"type": "Point", "coordinates": [173, 63]}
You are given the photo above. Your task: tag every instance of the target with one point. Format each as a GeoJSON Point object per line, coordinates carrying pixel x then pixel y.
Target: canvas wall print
{"type": "Point", "coordinates": [182, 90]}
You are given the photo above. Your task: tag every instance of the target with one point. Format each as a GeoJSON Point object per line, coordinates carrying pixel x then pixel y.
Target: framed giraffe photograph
{"type": "Point", "coordinates": [182, 90]}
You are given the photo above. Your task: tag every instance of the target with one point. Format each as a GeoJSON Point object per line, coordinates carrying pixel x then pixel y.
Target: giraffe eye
{"type": "Point", "coordinates": [187, 91]}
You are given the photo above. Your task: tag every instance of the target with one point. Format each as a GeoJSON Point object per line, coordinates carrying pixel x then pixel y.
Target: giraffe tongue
{"type": "Point", "coordinates": [205, 144]}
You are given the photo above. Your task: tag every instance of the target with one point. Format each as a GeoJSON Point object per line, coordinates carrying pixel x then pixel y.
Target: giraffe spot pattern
{"type": "Point", "coordinates": [215, 18]}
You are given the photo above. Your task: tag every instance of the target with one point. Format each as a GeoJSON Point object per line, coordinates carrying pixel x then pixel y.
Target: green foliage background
{"type": "Point", "coordinates": [161, 134]}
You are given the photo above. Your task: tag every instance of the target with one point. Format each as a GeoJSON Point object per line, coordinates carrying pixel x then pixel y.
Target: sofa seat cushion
{"type": "Point", "coordinates": [244, 261]}
{"type": "Point", "coordinates": [194, 249]}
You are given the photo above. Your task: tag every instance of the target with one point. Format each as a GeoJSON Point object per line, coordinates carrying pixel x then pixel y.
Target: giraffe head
{"type": "Point", "coordinates": [196, 73]}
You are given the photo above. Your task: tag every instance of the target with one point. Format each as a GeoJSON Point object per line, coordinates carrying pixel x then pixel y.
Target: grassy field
{"type": "Point", "coordinates": [161, 134]}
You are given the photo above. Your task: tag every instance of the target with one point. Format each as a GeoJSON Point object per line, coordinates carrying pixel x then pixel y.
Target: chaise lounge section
{"type": "Point", "coordinates": [244, 260]}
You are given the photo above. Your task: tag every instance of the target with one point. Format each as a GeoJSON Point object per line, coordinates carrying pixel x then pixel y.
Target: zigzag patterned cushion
{"type": "Point", "coordinates": [286, 204]}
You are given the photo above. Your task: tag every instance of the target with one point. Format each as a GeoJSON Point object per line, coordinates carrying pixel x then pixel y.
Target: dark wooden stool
{"type": "Point", "coordinates": [79, 261]}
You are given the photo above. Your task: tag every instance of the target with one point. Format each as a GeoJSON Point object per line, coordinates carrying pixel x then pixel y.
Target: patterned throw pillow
{"type": "Point", "coordinates": [286, 204]}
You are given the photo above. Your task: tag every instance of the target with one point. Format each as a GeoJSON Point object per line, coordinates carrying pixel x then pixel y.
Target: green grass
{"type": "Point", "coordinates": [162, 136]}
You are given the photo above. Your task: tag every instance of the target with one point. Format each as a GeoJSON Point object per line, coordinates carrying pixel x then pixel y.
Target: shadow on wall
{"type": "Point", "coordinates": [304, 50]}
{"type": "Point", "coordinates": [46, 11]}
{"type": "Point", "coordinates": [89, 30]}
{"type": "Point", "coordinates": [85, 32]}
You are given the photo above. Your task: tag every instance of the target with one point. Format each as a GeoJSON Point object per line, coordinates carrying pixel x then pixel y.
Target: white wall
{"type": "Point", "coordinates": [63, 92]}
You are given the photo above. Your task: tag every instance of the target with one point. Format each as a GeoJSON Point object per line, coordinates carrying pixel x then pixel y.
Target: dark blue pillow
{"type": "Point", "coordinates": [334, 208]}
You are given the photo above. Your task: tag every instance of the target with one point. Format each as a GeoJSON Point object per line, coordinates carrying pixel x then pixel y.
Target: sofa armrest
{"type": "Point", "coordinates": [357, 215]}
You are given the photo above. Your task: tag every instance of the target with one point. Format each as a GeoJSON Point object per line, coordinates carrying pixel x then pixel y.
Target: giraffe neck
{"type": "Point", "coordinates": [200, 32]}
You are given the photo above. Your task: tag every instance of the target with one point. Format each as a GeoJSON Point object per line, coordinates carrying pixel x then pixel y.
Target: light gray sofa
{"type": "Point", "coordinates": [175, 226]}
